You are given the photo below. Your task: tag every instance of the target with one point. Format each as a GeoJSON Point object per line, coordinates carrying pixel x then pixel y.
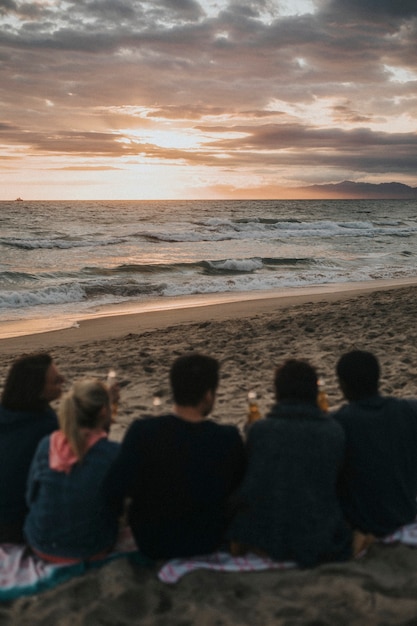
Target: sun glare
{"type": "Point", "coordinates": [184, 140]}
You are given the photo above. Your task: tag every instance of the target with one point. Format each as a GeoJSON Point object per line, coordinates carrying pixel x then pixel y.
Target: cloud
{"type": "Point", "coordinates": [372, 9]}
{"type": "Point", "coordinates": [7, 6]}
{"type": "Point", "coordinates": [330, 88]}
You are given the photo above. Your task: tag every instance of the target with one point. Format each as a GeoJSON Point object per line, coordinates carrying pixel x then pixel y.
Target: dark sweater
{"type": "Point", "coordinates": [379, 480]}
{"type": "Point", "coordinates": [179, 476]}
{"type": "Point", "coordinates": [288, 503]}
{"type": "Point", "coordinates": [20, 433]}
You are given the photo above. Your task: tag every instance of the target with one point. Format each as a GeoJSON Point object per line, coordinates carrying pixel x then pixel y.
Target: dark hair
{"type": "Point", "coordinates": [296, 381]}
{"type": "Point", "coordinates": [25, 383]}
{"type": "Point", "coordinates": [192, 376]}
{"type": "Point", "coordinates": [358, 372]}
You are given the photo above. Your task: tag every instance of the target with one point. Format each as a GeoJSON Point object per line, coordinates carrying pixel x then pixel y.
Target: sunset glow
{"type": "Point", "coordinates": [193, 99]}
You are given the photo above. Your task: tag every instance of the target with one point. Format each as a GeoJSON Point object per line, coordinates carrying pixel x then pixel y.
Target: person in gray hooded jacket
{"type": "Point", "coordinates": [287, 505]}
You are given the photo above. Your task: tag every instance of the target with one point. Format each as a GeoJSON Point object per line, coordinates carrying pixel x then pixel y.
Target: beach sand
{"type": "Point", "coordinates": [249, 337]}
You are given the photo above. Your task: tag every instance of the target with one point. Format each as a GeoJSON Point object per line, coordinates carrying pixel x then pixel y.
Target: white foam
{"type": "Point", "coordinates": [47, 295]}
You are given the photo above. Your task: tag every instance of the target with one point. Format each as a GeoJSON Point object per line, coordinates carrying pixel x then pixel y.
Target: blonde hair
{"type": "Point", "coordinates": [80, 408]}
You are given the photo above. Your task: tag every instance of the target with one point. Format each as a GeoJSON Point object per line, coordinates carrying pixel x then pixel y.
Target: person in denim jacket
{"type": "Point", "coordinates": [68, 520]}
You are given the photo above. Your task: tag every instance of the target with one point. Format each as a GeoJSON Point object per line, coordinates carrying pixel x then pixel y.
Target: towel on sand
{"type": "Point", "coordinates": [23, 573]}
{"type": "Point", "coordinates": [174, 569]}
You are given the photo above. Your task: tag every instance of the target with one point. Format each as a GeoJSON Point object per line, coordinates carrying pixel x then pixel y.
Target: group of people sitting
{"type": "Point", "coordinates": [301, 485]}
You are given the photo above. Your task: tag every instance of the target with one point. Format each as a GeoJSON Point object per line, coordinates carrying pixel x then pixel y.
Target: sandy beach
{"type": "Point", "coordinates": [249, 337]}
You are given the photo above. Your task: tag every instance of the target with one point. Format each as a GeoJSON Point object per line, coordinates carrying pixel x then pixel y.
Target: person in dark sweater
{"type": "Point", "coordinates": [178, 470]}
{"type": "Point", "coordinates": [378, 486]}
{"type": "Point", "coordinates": [33, 381]}
{"type": "Point", "coordinates": [287, 506]}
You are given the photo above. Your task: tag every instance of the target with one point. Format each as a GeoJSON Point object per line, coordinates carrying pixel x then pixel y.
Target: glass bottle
{"type": "Point", "coordinates": [253, 409]}
{"type": "Point", "coordinates": [322, 398]}
{"type": "Point", "coordinates": [111, 381]}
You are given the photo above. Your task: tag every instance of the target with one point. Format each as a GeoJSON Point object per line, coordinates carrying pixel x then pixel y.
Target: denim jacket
{"type": "Point", "coordinates": [67, 512]}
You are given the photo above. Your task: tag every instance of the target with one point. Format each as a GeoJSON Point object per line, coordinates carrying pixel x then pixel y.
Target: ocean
{"type": "Point", "coordinates": [62, 261]}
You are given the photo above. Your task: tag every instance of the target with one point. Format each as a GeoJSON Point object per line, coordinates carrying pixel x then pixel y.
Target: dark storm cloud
{"type": "Point", "coordinates": [297, 144]}
{"type": "Point", "coordinates": [188, 8]}
{"type": "Point", "coordinates": [7, 5]}
{"type": "Point", "coordinates": [373, 9]}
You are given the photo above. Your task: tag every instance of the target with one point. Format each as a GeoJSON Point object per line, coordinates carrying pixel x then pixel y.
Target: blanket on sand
{"type": "Point", "coordinates": [174, 569]}
{"type": "Point", "coordinates": [23, 573]}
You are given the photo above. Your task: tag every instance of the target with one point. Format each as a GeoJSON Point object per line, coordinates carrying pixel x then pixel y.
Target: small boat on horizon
{"type": "Point", "coordinates": [19, 199]}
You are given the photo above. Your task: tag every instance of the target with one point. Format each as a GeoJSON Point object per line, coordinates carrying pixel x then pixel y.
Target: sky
{"type": "Point", "coordinates": [124, 99]}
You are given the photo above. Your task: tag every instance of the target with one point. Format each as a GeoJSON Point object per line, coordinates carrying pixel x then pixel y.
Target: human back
{"type": "Point", "coordinates": [287, 504]}
{"type": "Point", "coordinates": [179, 469]}
{"type": "Point", "coordinates": [378, 486]}
{"type": "Point", "coordinates": [68, 518]}
{"type": "Point", "coordinates": [32, 383]}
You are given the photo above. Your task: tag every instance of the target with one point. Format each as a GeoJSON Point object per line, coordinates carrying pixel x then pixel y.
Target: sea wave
{"type": "Point", "coordinates": [61, 243]}
{"type": "Point", "coordinates": [247, 266]}
{"type": "Point", "coordinates": [219, 266]}
{"type": "Point", "coordinates": [218, 230]}
{"type": "Point", "coordinates": [76, 257]}
{"type": "Point", "coordinates": [116, 289]}
{"type": "Point", "coordinates": [112, 291]}
{"type": "Point", "coordinates": [129, 271]}
{"type": "Point", "coordinates": [129, 281]}
{"type": "Point", "coordinates": [47, 295]}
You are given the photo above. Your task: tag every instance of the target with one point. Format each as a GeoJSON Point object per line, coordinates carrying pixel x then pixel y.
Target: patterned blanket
{"type": "Point", "coordinates": [175, 569]}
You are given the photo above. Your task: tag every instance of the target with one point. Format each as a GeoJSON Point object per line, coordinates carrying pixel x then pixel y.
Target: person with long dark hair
{"type": "Point", "coordinates": [26, 416]}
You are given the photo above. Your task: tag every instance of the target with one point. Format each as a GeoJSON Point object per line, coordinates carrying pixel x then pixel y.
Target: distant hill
{"type": "Point", "coordinates": [368, 191]}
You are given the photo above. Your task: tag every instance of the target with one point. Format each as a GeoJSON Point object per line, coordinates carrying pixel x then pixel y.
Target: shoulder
{"type": "Point", "coordinates": [334, 428]}
{"type": "Point", "coordinates": [49, 420]}
{"type": "Point", "coordinates": [110, 448]}
{"type": "Point", "coordinates": [222, 434]}
{"type": "Point", "coordinates": [43, 445]}
{"type": "Point", "coordinates": [41, 453]}
{"type": "Point", "coordinates": [409, 403]}
{"type": "Point", "coordinates": [149, 423]}
{"type": "Point", "coordinates": [29, 419]}
{"type": "Point", "coordinates": [144, 428]}
{"type": "Point", "coordinates": [345, 412]}
{"type": "Point", "coordinates": [265, 425]}
{"type": "Point", "coordinates": [107, 444]}
{"type": "Point", "coordinates": [226, 430]}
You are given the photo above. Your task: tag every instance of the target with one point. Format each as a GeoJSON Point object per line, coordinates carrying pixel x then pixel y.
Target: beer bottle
{"type": "Point", "coordinates": [253, 410]}
{"type": "Point", "coordinates": [322, 399]}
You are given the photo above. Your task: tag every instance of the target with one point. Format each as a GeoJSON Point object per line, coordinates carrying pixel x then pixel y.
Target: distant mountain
{"type": "Point", "coordinates": [350, 190]}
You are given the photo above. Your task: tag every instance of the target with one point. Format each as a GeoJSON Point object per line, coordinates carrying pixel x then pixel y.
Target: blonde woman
{"type": "Point", "coordinates": [68, 520]}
